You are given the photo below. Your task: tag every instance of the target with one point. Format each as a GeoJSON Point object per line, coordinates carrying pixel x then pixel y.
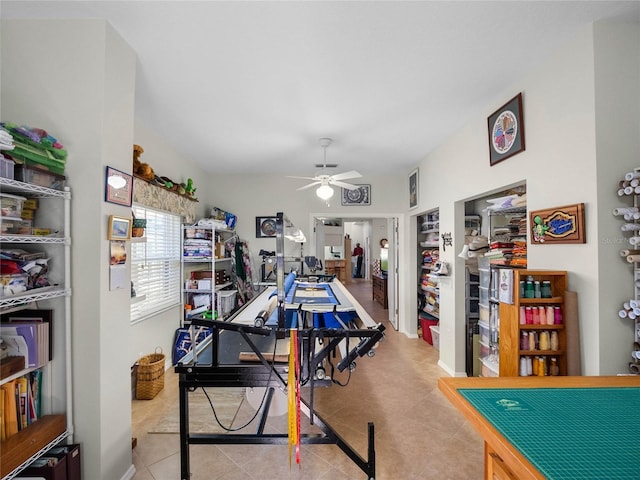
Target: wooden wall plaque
{"type": "Point", "coordinates": [557, 225]}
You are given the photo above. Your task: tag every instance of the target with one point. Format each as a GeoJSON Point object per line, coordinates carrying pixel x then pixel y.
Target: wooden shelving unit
{"type": "Point", "coordinates": [511, 329]}
{"type": "Point", "coordinates": [379, 285]}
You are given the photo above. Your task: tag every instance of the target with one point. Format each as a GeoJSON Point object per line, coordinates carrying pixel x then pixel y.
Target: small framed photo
{"type": "Point", "coordinates": [506, 131]}
{"type": "Point", "coordinates": [358, 196]}
{"type": "Point", "coordinates": [413, 189]}
{"type": "Point", "coordinates": [118, 187]}
{"type": "Point", "coordinates": [265, 227]}
{"type": "Point", "coordinates": [119, 228]}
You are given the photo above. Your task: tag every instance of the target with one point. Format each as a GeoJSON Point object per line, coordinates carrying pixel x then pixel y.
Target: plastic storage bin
{"type": "Point", "coordinates": [484, 313]}
{"type": "Point", "coordinates": [7, 168]}
{"type": "Point", "coordinates": [484, 332]}
{"type": "Point", "coordinates": [227, 300]}
{"type": "Point", "coordinates": [13, 284]}
{"type": "Point", "coordinates": [435, 336]}
{"type": "Point", "coordinates": [39, 177]}
{"type": "Point", "coordinates": [489, 368]}
{"type": "Point", "coordinates": [11, 205]}
{"type": "Point", "coordinates": [483, 298]}
{"type": "Point", "coordinates": [11, 226]}
{"type": "Point", "coordinates": [425, 323]}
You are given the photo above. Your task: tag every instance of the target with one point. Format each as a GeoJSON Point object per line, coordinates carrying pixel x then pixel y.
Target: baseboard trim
{"type": "Point", "coordinates": [129, 474]}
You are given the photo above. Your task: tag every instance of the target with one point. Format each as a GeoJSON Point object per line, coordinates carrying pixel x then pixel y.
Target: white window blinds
{"type": "Point", "coordinates": [155, 264]}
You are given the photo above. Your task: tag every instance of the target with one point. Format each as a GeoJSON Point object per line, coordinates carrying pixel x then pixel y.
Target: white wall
{"type": "Point", "coordinates": [560, 166]}
{"type": "Point", "coordinates": [82, 91]}
{"type": "Point", "coordinates": [617, 104]}
{"type": "Point", "coordinates": [249, 196]}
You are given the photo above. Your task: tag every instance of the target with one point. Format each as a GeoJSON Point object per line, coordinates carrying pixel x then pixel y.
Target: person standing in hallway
{"type": "Point", "coordinates": [358, 252]}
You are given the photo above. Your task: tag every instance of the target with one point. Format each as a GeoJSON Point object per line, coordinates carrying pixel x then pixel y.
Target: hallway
{"type": "Point", "coordinates": [418, 434]}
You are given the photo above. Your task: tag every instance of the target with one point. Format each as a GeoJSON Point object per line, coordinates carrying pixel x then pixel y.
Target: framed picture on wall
{"type": "Point", "coordinates": [119, 228]}
{"type": "Point", "coordinates": [506, 131]}
{"type": "Point", "coordinates": [413, 189]}
{"type": "Point", "coordinates": [358, 196]}
{"type": "Point", "coordinates": [265, 227]}
{"type": "Point", "coordinates": [118, 187]}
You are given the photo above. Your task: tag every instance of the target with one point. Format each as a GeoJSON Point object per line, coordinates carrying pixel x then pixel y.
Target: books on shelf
{"type": "Point", "coordinates": [29, 340]}
{"type": "Point", "coordinates": [42, 319]}
{"type": "Point", "coordinates": [20, 403]}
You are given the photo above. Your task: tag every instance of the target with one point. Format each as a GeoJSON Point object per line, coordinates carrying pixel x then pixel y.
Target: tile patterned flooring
{"type": "Point", "coordinates": [418, 434]}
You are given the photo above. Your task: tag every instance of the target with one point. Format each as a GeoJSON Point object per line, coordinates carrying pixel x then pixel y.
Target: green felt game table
{"type": "Point", "coordinates": [556, 428]}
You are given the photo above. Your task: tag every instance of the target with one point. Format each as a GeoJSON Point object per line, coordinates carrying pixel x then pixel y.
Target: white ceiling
{"type": "Point", "coordinates": [251, 86]}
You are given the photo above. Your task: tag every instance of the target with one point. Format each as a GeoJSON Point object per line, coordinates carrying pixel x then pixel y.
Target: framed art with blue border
{"type": "Point", "coordinates": [506, 131]}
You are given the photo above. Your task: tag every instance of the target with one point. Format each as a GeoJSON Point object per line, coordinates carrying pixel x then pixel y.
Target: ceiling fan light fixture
{"type": "Point", "coordinates": [325, 192]}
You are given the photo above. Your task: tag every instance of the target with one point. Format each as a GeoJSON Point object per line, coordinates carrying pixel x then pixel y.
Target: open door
{"type": "Point", "coordinates": [392, 279]}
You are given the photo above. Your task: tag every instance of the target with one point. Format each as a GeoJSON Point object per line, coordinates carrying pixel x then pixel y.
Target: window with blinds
{"type": "Point", "coordinates": [155, 264]}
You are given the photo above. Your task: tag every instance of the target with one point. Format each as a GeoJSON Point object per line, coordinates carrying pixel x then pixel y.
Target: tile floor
{"type": "Point", "coordinates": [418, 434]}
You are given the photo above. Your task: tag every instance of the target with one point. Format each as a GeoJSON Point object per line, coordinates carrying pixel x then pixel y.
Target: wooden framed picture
{"type": "Point", "coordinates": [557, 225]}
{"type": "Point", "coordinates": [358, 196]}
{"type": "Point", "coordinates": [265, 227]}
{"type": "Point", "coordinates": [118, 187]}
{"type": "Point", "coordinates": [413, 189]}
{"type": "Point", "coordinates": [119, 228]}
{"type": "Point", "coordinates": [506, 131]}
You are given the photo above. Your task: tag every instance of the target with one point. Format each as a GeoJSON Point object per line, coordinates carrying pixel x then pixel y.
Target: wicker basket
{"type": "Point", "coordinates": [150, 375]}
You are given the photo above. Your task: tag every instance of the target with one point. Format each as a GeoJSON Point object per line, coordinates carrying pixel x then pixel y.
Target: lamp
{"type": "Point", "coordinates": [325, 192]}
{"type": "Point", "coordinates": [295, 235]}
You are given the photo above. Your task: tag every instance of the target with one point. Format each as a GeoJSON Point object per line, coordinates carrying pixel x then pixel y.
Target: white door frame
{"type": "Point", "coordinates": [395, 234]}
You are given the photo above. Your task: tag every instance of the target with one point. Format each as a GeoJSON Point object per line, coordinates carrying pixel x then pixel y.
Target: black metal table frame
{"type": "Point", "coordinates": [270, 375]}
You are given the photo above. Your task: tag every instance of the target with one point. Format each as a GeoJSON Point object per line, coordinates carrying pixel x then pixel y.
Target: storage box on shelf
{"type": "Point", "coordinates": [488, 321]}
{"type": "Point", "coordinates": [546, 343]}
{"type": "Point", "coordinates": [435, 336]}
{"type": "Point", "coordinates": [54, 423]}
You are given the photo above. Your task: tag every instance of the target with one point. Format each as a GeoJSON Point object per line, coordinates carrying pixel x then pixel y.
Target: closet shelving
{"type": "Point", "coordinates": [428, 280]}
{"type": "Point", "coordinates": [472, 225]}
{"type": "Point", "coordinates": [30, 443]}
{"type": "Point", "coordinates": [207, 271]}
{"type": "Point", "coordinates": [472, 309]}
{"type": "Point", "coordinates": [504, 224]}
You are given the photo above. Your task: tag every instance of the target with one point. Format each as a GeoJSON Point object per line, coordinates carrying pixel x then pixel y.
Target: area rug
{"type": "Point", "coordinates": [226, 404]}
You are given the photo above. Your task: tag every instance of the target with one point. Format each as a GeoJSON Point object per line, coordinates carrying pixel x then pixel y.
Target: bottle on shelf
{"type": "Point", "coordinates": [553, 368]}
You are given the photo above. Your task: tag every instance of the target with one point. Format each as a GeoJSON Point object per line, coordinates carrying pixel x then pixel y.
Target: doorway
{"type": "Point", "coordinates": [370, 233]}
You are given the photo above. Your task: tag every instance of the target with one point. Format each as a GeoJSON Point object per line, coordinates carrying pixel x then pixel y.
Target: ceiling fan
{"type": "Point", "coordinates": [325, 180]}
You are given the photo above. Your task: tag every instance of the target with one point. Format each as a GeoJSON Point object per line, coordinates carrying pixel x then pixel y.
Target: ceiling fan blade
{"type": "Point", "coordinates": [348, 186]}
{"type": "Point", "coordinates": [309, 185]}
{"type": "Point", "coordinates": [304, 178]}
{"type": "Point", "coordinates": [346, 175]}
